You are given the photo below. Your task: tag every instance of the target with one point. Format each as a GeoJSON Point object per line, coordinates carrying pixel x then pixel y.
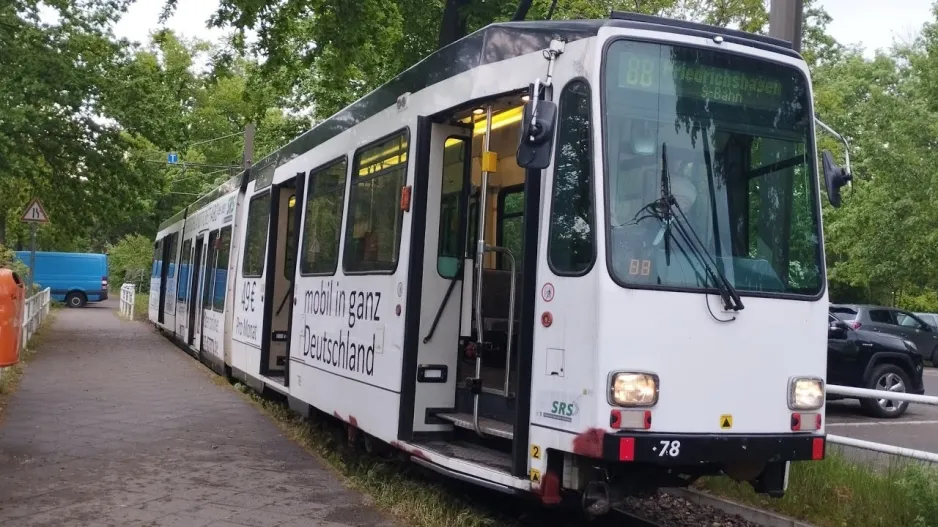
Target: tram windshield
{"type": "Point", "coordinates": [737, 146]}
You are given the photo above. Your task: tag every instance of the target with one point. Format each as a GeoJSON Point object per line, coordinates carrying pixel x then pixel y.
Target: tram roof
{"type": "Point", "coordinates": [493, 43]}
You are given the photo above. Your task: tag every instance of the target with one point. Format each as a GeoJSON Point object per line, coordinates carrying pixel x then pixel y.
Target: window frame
{"type": "Point", "coordinates": [221, 232]}
{"type": "Point", "coordinates": [463, 207]}
{"type": "Point", "coordinates": [156, 270]}
{"type": "Point", "coordinates": [208, 278]}
{"type": "Point", "coordinates": [187, 257]}
{"type": "Point", "coordinates": [503, 193]}
{"type": "Point", "coordinates": [301, 249]}
{"type": "Point", "coordinates": [812, 165]}
{"type": "Point", "coordinates": [355, 166]}
{"type": "Point", "coordinates": [173, 264]}
{"type": "Point", "coordinates": [592, 182]}
{"type": "Point", "coordinates": [247, 226]}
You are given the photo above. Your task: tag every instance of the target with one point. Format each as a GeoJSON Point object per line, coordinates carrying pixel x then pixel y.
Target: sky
{"type": "Point", "coordinates": [869, 23]}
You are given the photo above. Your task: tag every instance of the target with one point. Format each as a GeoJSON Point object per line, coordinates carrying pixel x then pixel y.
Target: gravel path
{"type": "Point", "coordinates": [112, 425]}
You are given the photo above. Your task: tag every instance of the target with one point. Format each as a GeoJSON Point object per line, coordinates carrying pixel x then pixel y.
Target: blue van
{"type": "Point", "coordinates": [75, 278]}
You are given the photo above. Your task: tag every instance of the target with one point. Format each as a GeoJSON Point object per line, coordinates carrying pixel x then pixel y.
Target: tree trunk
{"type": "Point", "coordinates": [522, 12]}
{"type": "Point", "coordinates": [453, 22]}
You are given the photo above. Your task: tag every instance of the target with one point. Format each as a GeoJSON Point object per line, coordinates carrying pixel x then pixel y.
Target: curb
{"type": "Point", "coordinates": [761, 517]}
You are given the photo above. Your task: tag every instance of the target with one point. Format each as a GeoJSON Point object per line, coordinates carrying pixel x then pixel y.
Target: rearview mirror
{"type": "Point", "coordinates": [536, 143]}
{"type": "Point", "coordinates": [835, 177]}
{"type": "Point", "coordinates": [837, 328]}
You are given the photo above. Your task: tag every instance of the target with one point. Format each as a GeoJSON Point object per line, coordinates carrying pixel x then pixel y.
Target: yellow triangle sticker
{"type": "Point", "coordinates": [726, 421]}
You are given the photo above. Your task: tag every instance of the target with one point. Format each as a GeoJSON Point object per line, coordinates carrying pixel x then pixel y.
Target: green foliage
{"type": "Point", "coordinates": [88, 119]}
{"type": "Point", "coordinates": [838, 491]}
{"type": "Point", "coordinates": [129, 257]}
{"type": "Point", "coordinates": [9, 260]}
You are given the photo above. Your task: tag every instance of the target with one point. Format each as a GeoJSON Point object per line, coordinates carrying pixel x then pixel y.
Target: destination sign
{"type": "Point", "coordinates": [653, 68]}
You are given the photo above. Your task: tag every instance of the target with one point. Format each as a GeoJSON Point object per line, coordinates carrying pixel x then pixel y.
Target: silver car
{"type": "Point", "coordinates": [893, 321]}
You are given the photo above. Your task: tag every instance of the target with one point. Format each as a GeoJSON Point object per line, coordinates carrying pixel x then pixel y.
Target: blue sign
{"type": "Point", "coordinates": [172, 157]}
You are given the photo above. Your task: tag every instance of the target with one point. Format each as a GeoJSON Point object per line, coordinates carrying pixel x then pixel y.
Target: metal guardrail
{"type": "Point", "coordinates": [128, 298]}
{"type": "Point", "coordinates": [35, 310]}
{"type": "Point", "coordinates": [865, 393]}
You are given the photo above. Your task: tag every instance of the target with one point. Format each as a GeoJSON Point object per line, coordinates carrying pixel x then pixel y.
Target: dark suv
{"type": "Point", "coordinates": [874, 360]}
{"type": "Point", "coordinates": [893, 321]}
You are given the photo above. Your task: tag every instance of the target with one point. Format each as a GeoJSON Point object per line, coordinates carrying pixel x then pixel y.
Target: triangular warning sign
{"type": "Point", "coordinates": [35, 213]}
{"type": "Point", "coordinates": [726, 422]}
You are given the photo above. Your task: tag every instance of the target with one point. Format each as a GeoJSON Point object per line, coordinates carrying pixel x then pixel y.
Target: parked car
{"type": "Point", "coordinates": [74, 278]}
{"type": "Point", "coordinates": [873, 360]}
{"type": "Point", "coordinates": [893, 321]}
{"type": "Point", "coordinates": [931, 318]}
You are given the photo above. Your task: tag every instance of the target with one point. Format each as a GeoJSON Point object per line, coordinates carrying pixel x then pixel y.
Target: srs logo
{"type": "Point", "coordinates": [564, 409]}
{"type": "Point", "coordinates": [560, 410]}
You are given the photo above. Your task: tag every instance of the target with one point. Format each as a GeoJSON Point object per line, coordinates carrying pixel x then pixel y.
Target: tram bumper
{"type": "Point", "coordinates": [697, 449]}
{"type": "Point", "coordinates": [654, 459]}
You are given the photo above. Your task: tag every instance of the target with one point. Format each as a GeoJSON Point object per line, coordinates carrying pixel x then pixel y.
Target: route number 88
{"type": "Point", "coordinates": [670, 448]}
{"type": "Point", "coordinates": [640, 267]}
{"type": "Point", "coordinates": [641, 71]}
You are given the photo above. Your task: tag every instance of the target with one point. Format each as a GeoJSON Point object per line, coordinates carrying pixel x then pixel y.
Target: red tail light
{"type": "Point", "coordinates": [855, 324]}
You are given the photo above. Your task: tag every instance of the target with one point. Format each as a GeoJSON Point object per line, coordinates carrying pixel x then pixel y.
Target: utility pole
{"type": "Point", "coordinates": [785, 21]}
{"type": "Point", "coordinates": [248, 157]}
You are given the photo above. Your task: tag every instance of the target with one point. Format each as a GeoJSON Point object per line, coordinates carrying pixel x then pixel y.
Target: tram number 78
{"type": "Point", "coordinates": [670, 448]}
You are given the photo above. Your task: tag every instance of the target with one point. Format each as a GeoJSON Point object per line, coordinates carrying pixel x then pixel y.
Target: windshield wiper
{"type": "Point", "coordinates": [667, 205]}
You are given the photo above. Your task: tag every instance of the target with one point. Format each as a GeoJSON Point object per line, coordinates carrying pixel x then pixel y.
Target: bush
{"type": "Point", "coordinates": [9, 260]}
{"type": "Point", "coordinates": [128, 257]}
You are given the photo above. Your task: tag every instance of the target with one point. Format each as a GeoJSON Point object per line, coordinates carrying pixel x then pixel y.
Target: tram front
{"type": "Point", "coordinates": [709, 332]}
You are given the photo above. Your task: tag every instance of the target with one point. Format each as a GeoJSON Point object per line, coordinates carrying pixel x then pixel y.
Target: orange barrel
{"type": "Point", "coordinates": [12, 296]}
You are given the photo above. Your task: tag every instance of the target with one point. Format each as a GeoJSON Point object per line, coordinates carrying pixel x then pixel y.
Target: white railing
{"type": "Point", "coordinates": [128, 297]}
{"type": "Point", "coordinates": [889, 396]}
{"type": "Point", "coordinates": [35, 310]}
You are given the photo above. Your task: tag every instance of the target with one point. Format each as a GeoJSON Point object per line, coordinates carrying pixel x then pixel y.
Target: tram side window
{"type": "Point", "coordinates": [451, 249]}
{"type": "Point", "coordinates": [255, 244]}
{"type": "Point", "coordinates": [208, 277]}
{"type": "Point", "coordinates": [185, 264]}
{"type": "Point", "coordinates": [373, 234]}
{"type": "Point", "coordinates": [570, 241]}
{"type": "Point", "coordinates": [325, 201]}
{"type": "Point", "coordinates": [220, 269]}
{"type": "Point", "coordinates": [173, 245]}
{"type": "Point", "coordinates": [510, 223]}
{"type": "Point", "coordinates": [157, 259]}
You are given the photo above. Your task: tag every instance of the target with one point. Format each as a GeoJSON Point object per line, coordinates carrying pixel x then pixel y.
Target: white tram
{"type": "Point", "coordinates": [525, 261]}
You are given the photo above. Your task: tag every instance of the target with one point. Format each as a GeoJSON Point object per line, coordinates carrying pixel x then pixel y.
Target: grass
{"type": "Point", "coordinates": [141, 306]}
{"type": "Point", "coordinates": [395, 486]}
{"type": "Point", "coordinates": [838, 492]}
{"type": "Point", "coordinates": [11, 376]}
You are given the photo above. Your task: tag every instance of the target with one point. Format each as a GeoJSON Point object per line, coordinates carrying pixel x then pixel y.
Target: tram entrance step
{"type": "Point", "coordinates": [488, 426]}
{"type": "Point", "coordinates": [472, 452]}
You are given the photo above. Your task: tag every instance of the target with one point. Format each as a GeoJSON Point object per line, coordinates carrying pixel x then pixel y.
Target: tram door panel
{"type": "Point", "coordinates": [195, 299]}
{"type": "Point", "coordinates": [183, 289]}
{"type": "Point", "coordinates": [500, 304]}
{"type": "Point", "coordinates": [281, 261]}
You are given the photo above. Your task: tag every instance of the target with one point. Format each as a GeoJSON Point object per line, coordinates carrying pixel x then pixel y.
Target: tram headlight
{"type": "Point", "coordinates": [633, 389]}
{"type": "Point", "coordinates": [805, 393]}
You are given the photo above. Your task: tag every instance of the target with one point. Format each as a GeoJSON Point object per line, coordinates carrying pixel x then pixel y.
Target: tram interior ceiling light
{"type": "Point", "coordinates": [633, 389]}
{"type": "Point", "coordinates": [806, 393]}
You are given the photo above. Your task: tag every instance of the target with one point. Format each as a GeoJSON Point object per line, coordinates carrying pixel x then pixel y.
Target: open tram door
{"type": "Point", "coordinates": [473, 369]}
{"type": "Point", "coordinates": [194, 339]}
{"type": "Point", "coordinates": [285, 200]}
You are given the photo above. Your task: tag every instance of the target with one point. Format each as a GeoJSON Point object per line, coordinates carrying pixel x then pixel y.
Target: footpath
{"type": "Point", "coordinates": [113, 425]}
